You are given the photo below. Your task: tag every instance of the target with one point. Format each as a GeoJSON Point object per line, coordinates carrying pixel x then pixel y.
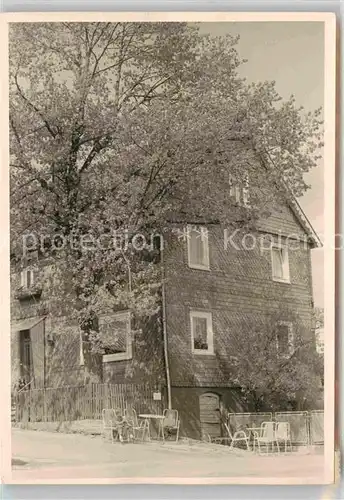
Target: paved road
{"type": "Point", "coordinates": [54, 456]}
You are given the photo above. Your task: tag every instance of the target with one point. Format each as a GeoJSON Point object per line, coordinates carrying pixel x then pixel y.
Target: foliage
{"type": "Point", "coordinates": [116, 126]}
{"type": "Point", "coordinates": [271, 378]}
{"type": "Point", "coordinates": [319, 317]}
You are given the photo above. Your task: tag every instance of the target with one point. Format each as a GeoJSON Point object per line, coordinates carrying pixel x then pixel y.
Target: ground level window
{"type": "Point", "coordinates": [115, 334]}
{"type": "Point", "coordinates": [285, 338]}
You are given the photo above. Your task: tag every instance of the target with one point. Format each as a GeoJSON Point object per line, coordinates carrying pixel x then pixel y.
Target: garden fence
{"type": "Point", "coordinates": [238, 421]}
{"type": "Point", "coordinates": [84, 402]}
{"type": "Point", "coordinates": [306, 427]}
{"type": "Point", "coordinates": [316, 420]}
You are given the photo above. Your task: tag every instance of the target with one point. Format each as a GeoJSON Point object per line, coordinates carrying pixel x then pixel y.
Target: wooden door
{"type": "Point", "coordinates": [209, 405]}
{"type": "Point", "coordinates": [25, 356]}
{"type": "Point", "coordinates": [38, 354]}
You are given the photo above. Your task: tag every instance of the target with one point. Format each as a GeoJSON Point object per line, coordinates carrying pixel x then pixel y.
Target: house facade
{"type": "Point", "coordinates": [217, 285]}
{"type": "Point", "coordinates": [217, 282]}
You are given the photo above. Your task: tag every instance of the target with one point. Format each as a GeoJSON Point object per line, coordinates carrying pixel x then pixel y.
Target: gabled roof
{"type": "Point", "coordinates": [304, 221]}
{"type": "Point", "coordinates": [295, 206]}
{"type": "Point", "coordinates": [26, 324]}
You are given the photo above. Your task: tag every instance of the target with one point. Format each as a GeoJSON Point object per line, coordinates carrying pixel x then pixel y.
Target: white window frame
{"type": "Point", "coordinates": [241, 194]}
{"type": "Point", "coordinates": [119, 356]}
{"type": "Point", "coordinates": [291, 346]}
{"type": "Point", "coordinates": [246, 192]}
{"type": "Point", "coordinates": [23, 278]}
{"type": "Point", "coordinates": [285, 264]}
{"type": "Point", "coordinates": [210, 333]}
{"type": "Point", "coordinates": [204, 235]}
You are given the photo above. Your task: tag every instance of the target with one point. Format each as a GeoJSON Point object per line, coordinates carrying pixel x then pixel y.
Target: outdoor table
{"type": "Point", "coordinates": [159, 418]}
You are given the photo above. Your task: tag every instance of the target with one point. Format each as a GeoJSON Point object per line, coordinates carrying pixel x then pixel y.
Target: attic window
{"type": "Point", "coordinates": [239, 191]}
{"type": "Point", "coordinates": [27, 278]}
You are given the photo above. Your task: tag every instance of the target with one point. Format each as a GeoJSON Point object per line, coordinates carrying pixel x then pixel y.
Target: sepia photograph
{"type": "Point", "coordinates": [171, 204]}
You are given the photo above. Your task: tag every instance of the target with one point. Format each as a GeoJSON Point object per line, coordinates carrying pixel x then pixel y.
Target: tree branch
{"type": "Point", "coordinates": [149, 92]}
{"type": "Point", "coordinates": [31, 105]}
{"type": "Point", "coordinates": [94, 151]}
{"type": "Point", "coordinates": [101, 55]}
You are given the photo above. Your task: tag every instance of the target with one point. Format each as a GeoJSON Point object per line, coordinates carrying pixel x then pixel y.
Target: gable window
{"type": "Point", "coordinates": [201, 332]}
{"type": "Point", "coordinates": [285, 338]}
{"type": "Point", "coordinates": [280, 263]}
{"type": "Point", "coordinates": [239, 191]}
{"type": "Point", "coordinates": [198, 247]}
{"type": "Point", "coordinates": [115, 333]}
{"type": "Point", "coordinates": [27, 278]}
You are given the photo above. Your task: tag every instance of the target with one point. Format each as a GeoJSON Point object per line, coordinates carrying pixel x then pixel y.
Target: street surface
{"type": "Point", "coordinates": [46, 455]}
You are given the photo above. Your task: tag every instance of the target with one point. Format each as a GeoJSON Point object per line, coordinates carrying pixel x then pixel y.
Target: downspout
{"type": "Point", "coordinates": [164, 330]}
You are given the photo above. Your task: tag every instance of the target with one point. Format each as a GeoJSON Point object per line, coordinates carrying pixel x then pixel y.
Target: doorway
{"type": "Point", "coordinates": [25, 356]}
{"type": "Point", "coordinates": [209, 406]}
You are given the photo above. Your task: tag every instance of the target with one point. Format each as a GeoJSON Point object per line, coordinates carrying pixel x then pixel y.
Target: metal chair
{"type": "Point", "coordinates": [265, 436]}
{"type": "Point", "coordinates": [283, 435]}
{"type": "Point", "coordinates": [111, 422]}
{"type": "Point", "coordinates": [139, 428]}
{"type": "Point", "coordinates": [238, 436]}
{"type": "Point", "coordinates": [171, 423]}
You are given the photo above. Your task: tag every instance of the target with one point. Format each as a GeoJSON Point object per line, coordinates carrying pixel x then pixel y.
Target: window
{"type": "Point", "coordinates": [239, 191]}
{"type": "Point", "coordinates": [285, 338]}
{"type": "Point", "coordinates": [280, 263]}
{"type": "Point", "coordinates": [201, 332]}
{"type": "Point", "coordinates": [115, 333]}
{"type": "Point", "coordinates": [27, 278]}
{"type": "Point", "coordinates": [198, 247]}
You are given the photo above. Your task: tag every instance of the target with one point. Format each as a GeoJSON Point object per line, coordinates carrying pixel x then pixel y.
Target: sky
{"type": "Point", "coordinates": [292, 54]}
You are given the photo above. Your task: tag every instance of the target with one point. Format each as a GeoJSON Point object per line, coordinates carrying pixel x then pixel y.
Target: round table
{"type": "Point", "coordinates": [160, 420]}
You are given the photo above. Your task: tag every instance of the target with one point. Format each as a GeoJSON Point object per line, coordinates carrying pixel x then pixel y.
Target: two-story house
{"type": "Point", "coordinates": [215, 282]}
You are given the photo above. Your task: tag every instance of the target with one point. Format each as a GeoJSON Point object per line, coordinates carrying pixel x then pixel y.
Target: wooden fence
{"type": "Point", "coordinates": [65, 404]}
